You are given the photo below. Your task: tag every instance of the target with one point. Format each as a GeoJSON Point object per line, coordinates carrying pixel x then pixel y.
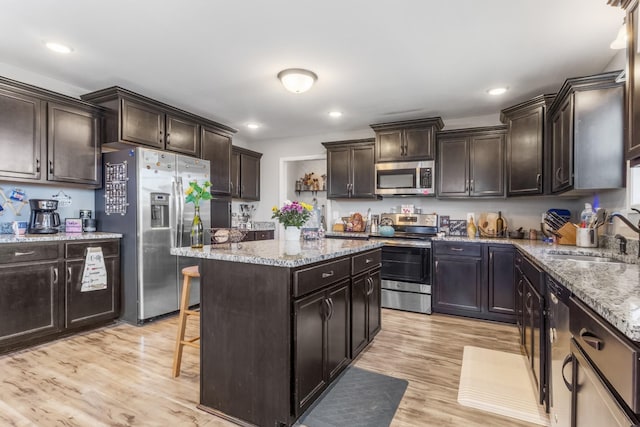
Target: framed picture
{"type": "Point", "coordinates": [444, 220]}
{"type": "Point", "coordinates": [458, 227]}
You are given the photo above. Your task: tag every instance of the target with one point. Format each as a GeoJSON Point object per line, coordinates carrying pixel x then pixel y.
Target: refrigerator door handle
{"type": "Point", "coordinates": [180, 211]}
{"type": "Point", "coordinates": [176, 204]}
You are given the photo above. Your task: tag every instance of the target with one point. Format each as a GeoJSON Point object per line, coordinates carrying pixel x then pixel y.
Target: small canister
{"type": "Point", "coordinates": [85, 213]}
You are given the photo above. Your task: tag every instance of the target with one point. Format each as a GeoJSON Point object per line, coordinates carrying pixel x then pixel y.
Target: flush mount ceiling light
{"type": "Point", "coordinates": [58, 47]}
{"type": "Point", "coordinates": [253, 125]}
{"type": "Point", "coordinates": [335, 114]}
{"type": "Point", "coordinates": [621, 39]}
{"type": "Point", "coordinates": [297, 80]}
{"type": "Point", "coordinates": [497, 91]}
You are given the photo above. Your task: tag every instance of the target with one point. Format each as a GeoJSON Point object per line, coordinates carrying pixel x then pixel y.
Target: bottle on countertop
{"type": "Point", "coordinates": [586, 216]}
{"type": "Point", "coordinates": [499, 225]}
{"type": "Point", "coordinates": [471, 229]}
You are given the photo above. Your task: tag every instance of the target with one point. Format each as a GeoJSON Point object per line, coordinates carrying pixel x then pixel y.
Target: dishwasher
{"type": "Point", "coordinates": [559, 354]}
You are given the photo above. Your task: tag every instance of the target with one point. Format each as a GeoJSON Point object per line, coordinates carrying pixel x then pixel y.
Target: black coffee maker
{"type": "Point", "coordinates": [43, 219]}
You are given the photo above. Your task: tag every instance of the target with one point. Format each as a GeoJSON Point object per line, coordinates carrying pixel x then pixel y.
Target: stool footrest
{"type": "Point", "coordinates": [192, 312]}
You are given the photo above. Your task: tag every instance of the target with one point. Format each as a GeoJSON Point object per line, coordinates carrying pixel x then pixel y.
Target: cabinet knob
{"type": "Point", "coordinates": [37, 165]}
{"type": "Point", "coordinates": [329, 274]}
{"type": "Point", "coordinates": [558, 171]}
{"type": "Point", "coordinates": [539, 180]}
{"type": "Point", "coordinates": [51, 167]}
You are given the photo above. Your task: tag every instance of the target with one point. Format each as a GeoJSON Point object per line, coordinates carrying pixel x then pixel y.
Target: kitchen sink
{"type": "Point", "coordinates": [587, 258]}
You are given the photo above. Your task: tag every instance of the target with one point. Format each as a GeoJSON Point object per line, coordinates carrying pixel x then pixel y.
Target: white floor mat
{"type": "Point", "coordinates": [499, 382]}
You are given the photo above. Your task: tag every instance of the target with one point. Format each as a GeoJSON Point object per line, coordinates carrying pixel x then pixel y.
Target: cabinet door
{"type": "Point", "coordinates": [363, 172]}
{"type": "Point", "coordinates": [374, 305]}
{"type": "Point", "coordinates": [501, 281]}
{"type": "Point", "coordinates": [359, 327]}
{"type": "Point", "coordinates": [562, 147]}
{"type": "Point", "coordinates": [30, 305]}
{"type": "Point", "coordinates": [458, 285]}
{"type": "Point", "coordinates": [486, 160]}
{"type": "Point", "coordinates": [524, 153]}
{"type": "Point", "coordinates": [390, 146]}
{"type": "Point", "coordinates": [249, 177]}
{"type": "Point", "coordinates": [309, 331]}
{"type": "Point", "coordinates": [527, 320]}
{"type": "Point", "coordinates": [538, 342]}
{"type": "Point", "coordinates": [633, 83]}
{"type": "Point", "coordinates": [142, 124]}
{"type": "Point", "coordinates": [338, 172]}
{"type": "Point", "coordinates": [216, 148]}
{"type": "Point", "coordinates": [182, 135]}
{"type": "Point", "coordinates": [338, 329]}
{"type": "Point", "coordinates": [419, 144]}
{"type": "Point", "coordinates": [74, 150]}
{"type": "Point", "coordinates": [453, 168]}
{"type": "Point", "coordinates": [20, 135]}
{"type": "Point", "coordinates": [518, 303]}
{"type": "Point", "coordinates": [84, 308]}
{"type": "Point", "coordinates": [235, 175]}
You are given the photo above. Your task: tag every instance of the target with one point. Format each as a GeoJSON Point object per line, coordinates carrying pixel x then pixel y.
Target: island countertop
{"type": "Point", "coordinates": [280, 253]}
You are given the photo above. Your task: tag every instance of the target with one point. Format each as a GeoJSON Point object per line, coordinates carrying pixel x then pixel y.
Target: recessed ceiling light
{"type": "Point", "coordinates": [497, 91]}
{"type": "Point", "coordinates": [58, 47]}
{"type": "Point", "coordinates": [253, 125]}
{"type": "Point", "coordinates": [335, 113]}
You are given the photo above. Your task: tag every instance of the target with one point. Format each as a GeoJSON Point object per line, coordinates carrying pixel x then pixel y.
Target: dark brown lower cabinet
{"type": "Point", "coordinates": [529, 300]}
{"type": "Point", "coordinates": [474, 280]}
{"type": "Point", "coordinates": [86, 308]}
{"type": "Point", "coordinates": [29, 301]}
{"type": "Point", "coordinates": [40, 297]}
{"type": "Point", "coordinates": [322, 338]}
{"type": "Point", "coordinates": [259, 235]}
{"type": "Point", "coordinates": [365, 310]}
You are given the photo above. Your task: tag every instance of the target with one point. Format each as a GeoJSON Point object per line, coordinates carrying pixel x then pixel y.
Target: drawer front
{"type": "Point", "coordinates": [609, 351]}
{"type": "Point", "coordinates": [28, 252]}
{"type": "Point", "coordinates": [77, 250]}
{"type": "Point", "coordinates": [365, 261]}
{"type": "Point", "coordinates": [458, 249]}
{"type": "Point", "coordinates": [312, 278]}
{"type": "Point", "coordinates": [264, 234]}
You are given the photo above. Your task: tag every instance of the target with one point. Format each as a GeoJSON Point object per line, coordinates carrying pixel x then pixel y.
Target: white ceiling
{"type": "Point", "coordinates": [377, 61]}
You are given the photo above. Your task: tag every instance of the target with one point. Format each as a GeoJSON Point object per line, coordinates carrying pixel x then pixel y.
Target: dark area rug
{"type": "Point", "coordinates": [358, 398]}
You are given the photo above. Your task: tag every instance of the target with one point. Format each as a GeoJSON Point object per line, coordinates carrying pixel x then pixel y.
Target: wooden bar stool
{"type": "Point", "coordinates": [187, 273]}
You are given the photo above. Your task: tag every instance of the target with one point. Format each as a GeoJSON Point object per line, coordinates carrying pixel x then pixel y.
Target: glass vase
{"type": "Point", "coordinates": [197, 230]}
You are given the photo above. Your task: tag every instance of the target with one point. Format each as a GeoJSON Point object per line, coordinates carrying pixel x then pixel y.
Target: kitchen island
{"type": "Point", "coordinates": [279, 321]}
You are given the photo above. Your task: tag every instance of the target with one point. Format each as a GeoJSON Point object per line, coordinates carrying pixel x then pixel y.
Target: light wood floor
{"type": "Point", "coordinates": [121, 375]}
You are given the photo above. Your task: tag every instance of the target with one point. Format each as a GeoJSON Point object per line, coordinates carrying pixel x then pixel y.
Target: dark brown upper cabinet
{"type": "Point", "coordinates": [632, 107]}
{"type": "Point", "coordinates": [48, 138]}
{"type": "Point", "coordinates": [586, 135]}
{"type": "Point", "coordinates": [350, 169]}
{"type": "Point", "coordinates": [410, 140]}
{"type": "Point", "coordinates": [471, 162]}
{"type": "Point", "coordinates": [526, 124]}
{"type": "Point", "coordinates": [216, 147]}
{"type": "Point", "coordinates": [136, 119]}
{"type": "Point", "coordinates": [245, 174]}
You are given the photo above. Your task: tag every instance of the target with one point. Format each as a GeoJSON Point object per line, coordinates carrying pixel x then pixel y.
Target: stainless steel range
{"type": "Point", "coordinates": [406, 261]}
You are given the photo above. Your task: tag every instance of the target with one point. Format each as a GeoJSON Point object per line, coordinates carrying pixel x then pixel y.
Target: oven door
{"type": "Point", "coordinates": [406, 264]}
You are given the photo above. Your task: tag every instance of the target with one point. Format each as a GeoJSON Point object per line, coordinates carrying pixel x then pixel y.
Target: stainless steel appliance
{"type": "Point", "coordinates": [405, 178]}
{"type": "Point", "coordinates": [153, 217]}
{"type": "Point", "coordinates": [43, 219]}
{"type": "Point", "coordinates": [559, 354]}
{"type": "Point", "coordinates": [406, 261]}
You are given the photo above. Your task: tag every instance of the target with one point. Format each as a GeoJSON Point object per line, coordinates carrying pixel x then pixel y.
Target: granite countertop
{"type": "Point", "coordinates": [28, 238]}
{"type": "Point", "coordinates": [611, 289]}
{"type": "Point", "coordinates": [280, 253]}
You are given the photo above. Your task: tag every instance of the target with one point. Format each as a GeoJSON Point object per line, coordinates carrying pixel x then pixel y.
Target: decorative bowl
{"type": "Point", "coordinates": [386, 230]}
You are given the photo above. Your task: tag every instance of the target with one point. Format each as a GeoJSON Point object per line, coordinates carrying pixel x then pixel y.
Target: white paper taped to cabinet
{"type": "Point", "coordinates": [94, 274]}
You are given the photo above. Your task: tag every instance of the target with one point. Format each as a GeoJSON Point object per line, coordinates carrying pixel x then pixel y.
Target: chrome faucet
{"type": "Point", "coordinates": [635, 228]}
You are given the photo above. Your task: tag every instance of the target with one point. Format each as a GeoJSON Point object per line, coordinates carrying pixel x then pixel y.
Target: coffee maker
{"type": "Point", "coordinates": [43, 219]}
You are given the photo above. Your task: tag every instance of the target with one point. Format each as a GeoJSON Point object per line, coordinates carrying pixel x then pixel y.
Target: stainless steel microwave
{"type": "Point", "coordinates": [405, 178]}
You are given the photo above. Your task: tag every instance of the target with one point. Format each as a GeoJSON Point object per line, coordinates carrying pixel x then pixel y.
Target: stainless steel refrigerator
{"type": "Point", "coordinates": [143, 198]}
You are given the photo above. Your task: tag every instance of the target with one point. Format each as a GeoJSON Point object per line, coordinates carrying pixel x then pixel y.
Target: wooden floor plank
{"type": "Point", "coordinates": [120, 375]}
